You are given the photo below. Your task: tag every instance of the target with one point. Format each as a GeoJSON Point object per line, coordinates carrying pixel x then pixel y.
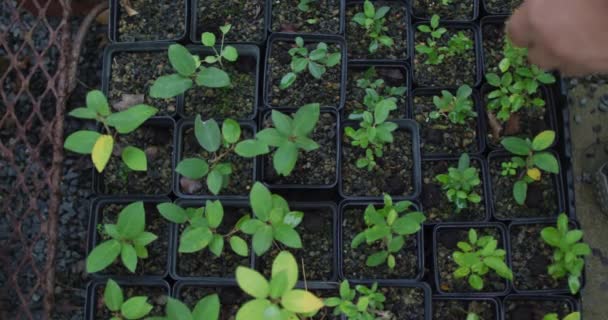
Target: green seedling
{"type": "Point", "coordinates": [133, 308]}
{"type": "Point", "coordinates": [127, 238]}
{"type": "Point", "coordinates": [568, 254]}
{"type": "Point", "coordinates": [457, 109]}
{"type": "Point", "coordinates": [208, 308]}
{"type": "Point", "coordinates": [202, 228]}
{"type": "Point", "coordinates": [373, 21]}
{"type": "Point", "coordinates": [375, 91]}
{"type": "Point", "coordinates": [478, 257]}
{"type": "Point", "coordinates": [100, 146]}
{"type": "Point", "coordinates": [360, 303]}
{"type": "Point", "coordinates": [305, 5]}
{"type": "Point", "coordinates": [189, 68]}
{"type": "Point", "coordinates": [276, 298]}
{"type": "Point", "coordinates": [388, 226]}
{"type": "Point", "coordinates": [316, 61]}
{"type": "Point", "coordinates": [473, 316]}
{"type": "Point", "coordinates": [571, 316]}
{"type": "Point", "coordinates": [459, 183]}
{"type": "Point", "coordinates": [435, 53]}
{"type": "Point", "coordinates": [532, 157]}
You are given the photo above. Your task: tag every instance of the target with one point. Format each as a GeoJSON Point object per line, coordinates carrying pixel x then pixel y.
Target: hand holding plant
{"type": "Point", "coordinates": [460, 182]}
{"type": "Point", "coordinates": [317, 62]}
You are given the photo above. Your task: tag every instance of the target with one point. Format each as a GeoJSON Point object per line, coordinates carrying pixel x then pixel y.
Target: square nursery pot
{"type": "Point", "coordinates": [493, 40]}
{"type": "Point", "coordinates": [410, 260]}
{"type": "Point", "coordinates": [329, 91]}
{"type": "Point", "coordinates": [453, 71]}
{"type": "Point", "coordinates": [412, 301]}
{"type": "Point", "coordinates": [403, 153]}
{"type": "Point", "coordinates": [317, 169]}
{"type": "Point", "coordinates": [238, 102]}
{"type": "Point", "coordinates": [155, 137]}
{"type": "Point", "coordinates": [243, 170]}
{"type": "Point", "coordinates": [435, 204]}
{"type": "Point", "coordinates": [157, 292]}
{"type": "Point", "coordinates": [455, 11]}
{"type": "Point", "coordinates": [156, 20]}
{"type": "Point", "coordinates": [399, 29]}
{"type": "Point", "coordinates": [530, 257]}
{"type": "Point", "coordinates": [129, 70]}
{"type": "Point", "coordinates": [319, 254]}
{"type": "Point", "coordinates": [156, 266]}
{"type": "Point", "coordinates": [445, 239]}
{"type": "Point", "coordinates": [203, 265]}
{"type": "Point", "coordinates": [286, 17]}
{"type": "Point", "coordinates": [545, 198]}
{"type": "Point", "coordinates": [394, 75]}
{"type": "Point", "coordinates": [535, 307]}
{"type": "Point", "coordinates": [457, 308]}
{"type": "Point", "coordinates": [442, 138]}
{"type": "Point", "coordinates": [500, 6]}
{"type": "Point", "coordinates": [249, 19]}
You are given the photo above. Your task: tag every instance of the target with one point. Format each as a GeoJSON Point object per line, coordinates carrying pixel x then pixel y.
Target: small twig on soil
{"type": "Point", "coordinates": [494, 125]}
{"type": "Point", "coordinates": [304, 274]}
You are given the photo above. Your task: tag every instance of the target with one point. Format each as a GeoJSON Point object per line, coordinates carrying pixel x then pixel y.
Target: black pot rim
{"type": "Point", "coordinates": [428, 314]}
{"type": "Point", "coordinates": [472, 19]}
{"type": "Point", "coordinates": [493, 300]}
{"type": "Point", "coordinates": [341, 28]}
{"type": "Point", "coordinates": [573, 303]}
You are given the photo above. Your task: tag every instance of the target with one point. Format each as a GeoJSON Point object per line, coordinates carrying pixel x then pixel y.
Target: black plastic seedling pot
{"type": "Point", "coordinates": [433, 196]}
{"type": "Point", "coordinates": [265, 163]}
{"type": "Point", "coordinates": [401, 257]}
{"type": "Point", "coordinates": [486, 23]}
{"type": "Point", "coordinates": [501, 214]}
{"type": "Point", "coordinates": [95, 298]}
{"type": "Point", "coordinates": [464, 228]}
{"type": "Point", "coordinates": [434, 136]}
{"type": "Point", "coordinates": [340, 4]}
{"type": "Point", "coordinates": [404, 301]}
{"type": "Point", "coordinates": [539, 261]}
{"type": "Point", "coordinates": [537, 306]}
{"type": "Point", "coordinates": [116, 10]}
{"type": "Point", "coordinates": [495, 304]}
{"type": "Point", "coordinates": [270, 79]}
{"type": "Point", "coordinates": [166, 125]}
{"type": "Point", "coordinates": [182, 127]}
{"type": "Point", "coordinates": [415, 174]}
{"type": "Point", "coordinates": [472, 17]}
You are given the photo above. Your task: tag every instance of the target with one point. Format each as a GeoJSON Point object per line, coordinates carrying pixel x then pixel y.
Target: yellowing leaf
{"type": "Point", "coordinates": [301, 301]}
{"type": "Point", "coordinates": [534, 173]}
{"type": "Point", "coordinates": [102, 150]}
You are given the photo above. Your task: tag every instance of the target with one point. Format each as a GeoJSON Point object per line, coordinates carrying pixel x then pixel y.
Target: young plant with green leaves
{"type": "Point", "coordinates": [518, 84]}
{"type": "Point", "coordinates": [570, 316]}
{"type": "Point", "coordinates": [459, 183]}
{"type": "Point", "coordinates": [458, 109]}
{"type": "Point", "coordinates": [133, 308]}
{"type": "Point", "coordinates": [435, 53]}
{"type": "Point", "coordinates": [305, 5]}
{"type": "Point", "coordinates": [101, 145]}
{"type": "Point", "coordinates": [316, 61]}
{"type": "Point", "coordinates": [202, 226]}
{"type": "Point", "coordinates": [389, 226]}
{"type": "Point", "coordinates": [207, 308]}
{"type": "Point", "coordinates": [276, 298]}
{"type": "Point", "coordinates": [569, 252]}
{"type": "Point", "coordinates": [359, 303]}
{"type": "Point", "coordinates": [272, 221]}
{"type": "Point", "coordinates": [373, 21]}
{"type": "Point", "coordinates": [532, 157]}
{"type": "Point", "coordinates": [478, 257]}
{"type": "Point", "coordinates": [189, 68]}
{"type": "Point", "coordinates": [375, 91]}
{"type": "Point", "coordinates": [373, 133]}
{"type": "Point", "coordinates": [126, 238]}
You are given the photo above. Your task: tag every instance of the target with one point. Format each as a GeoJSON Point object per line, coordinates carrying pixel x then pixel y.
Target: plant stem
{"type": "Point", "coordinates": [222, 155]}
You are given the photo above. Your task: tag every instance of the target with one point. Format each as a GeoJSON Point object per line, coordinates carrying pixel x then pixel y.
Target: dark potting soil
{"type": "Point", "coordinates": [453, 71]}
{"type": "Point", "coordinates": [493, 35]}
{"type": "Point", "coordinates": [403, 303]}
{"type": "Point", "coordinates": [133, 73]}
{"type": "Point", "coordinates": [156, 20]}
{"type": "Point", "coordinates": [396, 22]}
{"type": "Point", "coordinates": [532, 309]}
{"type": "Point", "coordinates": [526, 123]}
{"type": "Point", "coordinates": [459, 309]}
{"type": "Point", "coordinates": [317, 167]}
{"type": "Point", "coordinates": [530, 257]}
{"type": "Point", "coordinates": [204, 263]}
{"type": "Point", "coordinates": [541, 201]}
{"type": "Point", "coordinates": [236, 102]}
{"type": "Point", "coordinates": [441, 136]}
{"type": "Point", "coordinates": [286, 17]}
{"type": "Point", "coordinates": [447, 239]}
{"type": "Point", "coordinates": [437, 207]}
{"type": "Point", "coordinates": [393, 174]}
{"type": "Point", "coordinates": [246, 18]}
{"type": "Point", "coordinates": [157, 297]}
{"type": "Point", "coordinates": [158, 250]}
{"type": "Point", "coordinates": [354, 266]}
{"type": "Point", "coordinates": [157, 143]}
{"type": "Point", "coordinates": [306, 89]}
{"type": "Point", "coordinates": [393, 77]}
{"type": "Point", "coordinates": [231, 298]}
{"type": "Point", "coordinates": [502, 6]}
{"type": "Point", "coordinates": [455, 10]}
{"type": "Point", "coordinates": [241, 178]}
{"type": "Point", "coordinates": [316, 231]}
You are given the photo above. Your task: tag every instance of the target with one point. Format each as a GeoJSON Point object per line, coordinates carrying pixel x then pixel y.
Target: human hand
{"type": "Point", "coordinates": [568, 35]}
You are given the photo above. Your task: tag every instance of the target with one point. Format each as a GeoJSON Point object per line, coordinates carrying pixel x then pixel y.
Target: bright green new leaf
{"type": "Point", "coordinates": [103, 255]}
{"type": "Point", "coordinates": [207, 134]}
{"type": "Point", "coordinates": [113, 296]}
{"type": "Point", "coordinates": [520, 192]}
{"type": "Point", "coordinates": [97, 101]}
{"type": "Point", "coordinates": [128, 257]}
{"type": "Point", "coordinates": [193, 168]}
{"type": "Point", "coordinates": [230, 53]}
{"type": "Point", "coordinates": [516, 146]}
{"type": "Point", "coordinates": [262, 239]}
{"type": "Point", "coordinates": [376, 259]}
{"type": "Point", "coordinates": [287, 80]}
{"type": "Point", "coordinates": [130, 119]}
{"type": "Point", "coordinates": [84, 113]}
{"type": "Point", "coordinates": [213, 77]}
{"type": "Point", "coordinates": [177, 310]}
{"type": "Point", "coordinates": [286, 262]}
{"type": "Point", "coordinates": [135, 158]}
{"type": "Point", "coordinates": [285, 158]}
{"type": "Point", "coordinates": [253, 310]}
{"type": "Point", "coordinates": [132, 220]}
{"type": "Point", "coordinates": [208, 308]}
{"type": "Point", "coordinates": [252, 282]}
{"type": "Point", "coordinates": [194, 239]}
{"type": "Point", "coordinates": [136, 308]}
{"type": "Point", "coordinates": [208, 39]}
{"type": "Point", "coordinates": [215, 213]}
{"type": "Point", "coordinates": [305, 119]}
{"type": "Point", "coordinates": [260, 199]}
{"type": "Point", "coordinates": [170, 86]}
{"type": "Point", "coordinates": [231, 131]}
{"type": "Point", "coordinates": [251, 148]}
{"type": "Point", "coordinates": [287, 236]}
{"type": "Point", "coordinates": [81, 141]}
{"type": "Point", "coordinates": [215, 181]}
{"type": "Point", "coordinates": [543, 140]}
{"type": "Point", "coordinates": [182, 60]}
{"type": "Point", "coordinates": [546, 161]}
{"type": "Point", "coordinates": [239, 246]}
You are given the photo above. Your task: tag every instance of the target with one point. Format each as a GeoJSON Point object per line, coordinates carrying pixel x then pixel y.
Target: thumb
{"type": "Point", "coordinates": [519, 26]}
